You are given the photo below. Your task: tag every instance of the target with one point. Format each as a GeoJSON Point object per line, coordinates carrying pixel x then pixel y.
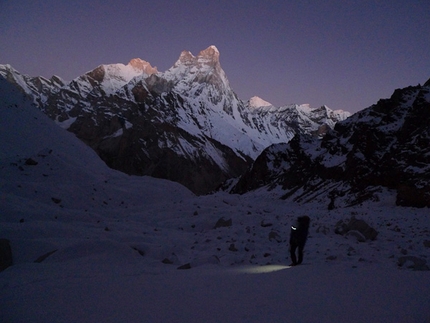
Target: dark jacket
{"type": "Point", "coordinates": [299, 231]}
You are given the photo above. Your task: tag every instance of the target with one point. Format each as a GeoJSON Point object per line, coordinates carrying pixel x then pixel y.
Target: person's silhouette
{"type": "Point", "coordinates": [298, 237]}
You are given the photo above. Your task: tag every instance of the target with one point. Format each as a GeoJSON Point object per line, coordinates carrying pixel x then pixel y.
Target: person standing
{"type": "Point", "coordinates": [298, 237]}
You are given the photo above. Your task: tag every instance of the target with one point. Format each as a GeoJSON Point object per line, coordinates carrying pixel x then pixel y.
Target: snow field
{"type": "Point", "coordinates": [94, 245]}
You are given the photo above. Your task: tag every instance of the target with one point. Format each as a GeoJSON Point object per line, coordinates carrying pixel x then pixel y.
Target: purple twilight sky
{"type": "Point", "coordinates": [345, 54]}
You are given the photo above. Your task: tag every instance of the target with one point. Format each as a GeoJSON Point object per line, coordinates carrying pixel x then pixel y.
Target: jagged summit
{"type": "Point", "coordinates": [204, 69]}
{"type": "Point", "coordinates": [144, 66]}
{"type": "Point", "coordinates": [210, 51]}
{"type": "Point", "coordinates": [208, 56]}
{"type": "Point", "coordinates": [186, 57]}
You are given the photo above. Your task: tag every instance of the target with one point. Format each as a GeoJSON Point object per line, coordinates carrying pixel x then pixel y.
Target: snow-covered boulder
{"type": "Point", "coordinates": [357, 228]}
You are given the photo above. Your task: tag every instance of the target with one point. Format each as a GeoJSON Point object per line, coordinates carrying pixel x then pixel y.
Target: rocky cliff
{"type": "Point", "coordinates": [386, 146]}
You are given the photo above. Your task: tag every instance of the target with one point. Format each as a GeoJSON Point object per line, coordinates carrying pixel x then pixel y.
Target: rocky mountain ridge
{"type": "Point", "coordinates": [185, 124]}
{"type": "Point", "coordinates": [386, 146]}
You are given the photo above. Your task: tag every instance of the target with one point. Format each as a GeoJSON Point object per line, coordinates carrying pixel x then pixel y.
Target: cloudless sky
{"type": "Point", "coordinates": [345, 54]}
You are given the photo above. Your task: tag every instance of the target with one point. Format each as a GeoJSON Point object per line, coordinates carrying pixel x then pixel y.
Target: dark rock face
{"type": "Point", "coordinates": [6, 259]}
{"type": "Point", "coordinates": [288, 164]}
{"type": "Point", "coordinates": [386, 145]}
{"type": "Point", "coordinates": [155, 147]}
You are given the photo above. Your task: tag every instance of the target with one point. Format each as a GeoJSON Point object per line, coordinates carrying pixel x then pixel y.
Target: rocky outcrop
{"type": "Point", "coordinates": [356, 228]}
{"type": "Point", "coordinates": [222, 222]}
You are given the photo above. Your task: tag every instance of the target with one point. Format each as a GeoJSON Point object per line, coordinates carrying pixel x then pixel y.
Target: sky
{"type": "Point", "coordinates": [344, 54]}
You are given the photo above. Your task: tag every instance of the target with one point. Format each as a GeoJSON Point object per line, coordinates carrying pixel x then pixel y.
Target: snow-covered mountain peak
{"type": "Point", "coordinates": [111, 77]}
{"type": "Point", "coordinates": [201, 69]}
{"type": "Point", "coordinates": [339, 115]}
{"type": "Point", "coordinates": [305, 107]}
{"type": "Point", "coordinates": [119, 71]}
{"type": "Point", "coordinates": [186, 58]}
{"type": "Point", "coordinates": [209, 56]}
{"type": "Point", "coordinates": [142, 66]}
{"type": "Point", "coordinates": [190, 113]}
{"type": "Point", "coordinates": [38, 86]}
{"type": "Point", "coordinates": [325, 110]}
{"type": "Point", "coordinates": [210, 51]}
{"type": "Point", "coordinates": [257, 102]}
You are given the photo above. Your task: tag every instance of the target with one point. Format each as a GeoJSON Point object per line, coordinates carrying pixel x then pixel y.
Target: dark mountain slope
{"type": "Point", "coordinates": [384, 146]}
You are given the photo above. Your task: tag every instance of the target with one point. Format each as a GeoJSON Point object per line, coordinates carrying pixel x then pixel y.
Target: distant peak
{"type": "Point", "coordinates": [257, 102]}
{"type": "Point", "coordinates": [209, 56]}
{"type": "Point", "coordinates": [186, 56]}
{"type": "Point", "coordinates": [144, 66]}
{"type": "Point", "coordinates": [210, 52]}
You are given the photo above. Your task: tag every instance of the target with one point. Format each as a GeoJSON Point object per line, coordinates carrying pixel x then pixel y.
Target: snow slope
{"type": "Point", "coordinates": [94, 245]}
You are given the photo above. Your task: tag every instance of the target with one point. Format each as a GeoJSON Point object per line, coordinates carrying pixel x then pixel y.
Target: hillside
{"type": "Point", "coordinates": [386, 146]}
